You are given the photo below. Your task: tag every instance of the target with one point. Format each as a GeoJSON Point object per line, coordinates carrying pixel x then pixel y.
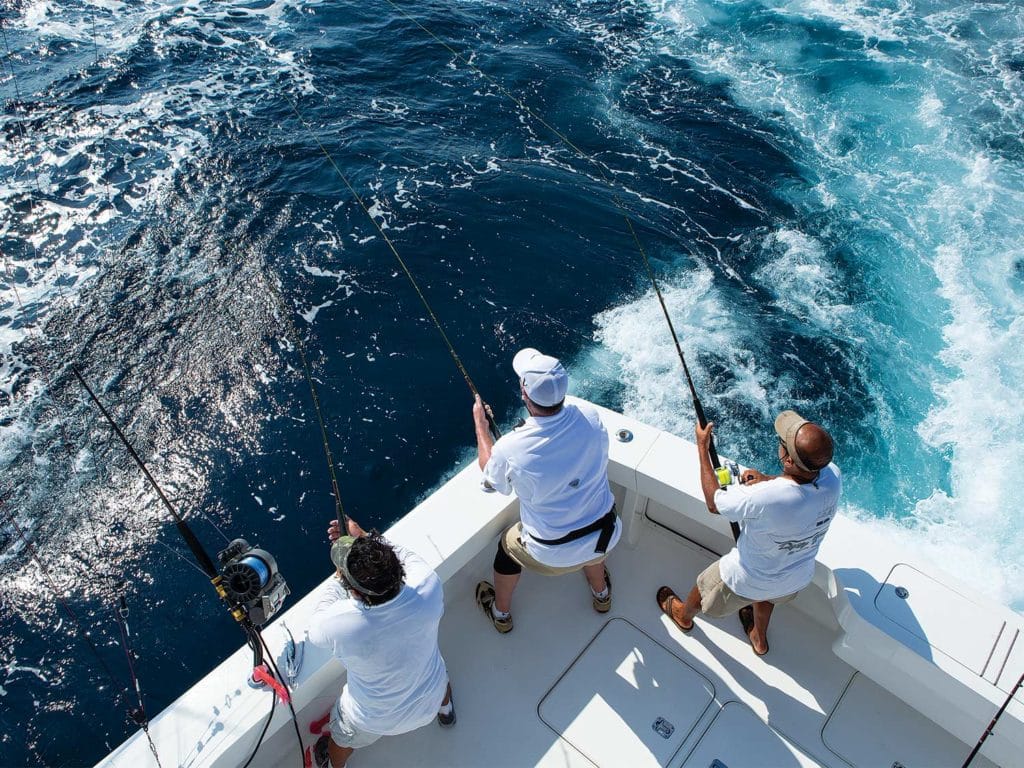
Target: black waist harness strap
{"type": "Point", "coordinates": [604, 524]}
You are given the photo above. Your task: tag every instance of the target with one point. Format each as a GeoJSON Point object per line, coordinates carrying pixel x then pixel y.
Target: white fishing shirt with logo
{"type": "Point", "coordinates": [558, 466]}
{"type": "Point", "coordinates": [782, 524]}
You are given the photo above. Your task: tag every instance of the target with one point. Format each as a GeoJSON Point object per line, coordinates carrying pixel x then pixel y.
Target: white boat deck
{"type": "Point", "coordinates": [570, 687]}
{"type": "Point", "coordinates": [877, 663]}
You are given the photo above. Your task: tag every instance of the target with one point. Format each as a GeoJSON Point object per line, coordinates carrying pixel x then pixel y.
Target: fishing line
{"type": "Point", "coordinates": [81, 632]}
{"type": "Point", "coordinates": [179, 555]}
{"type": "Point", "coordinates": [138, 716]}
{"type": "Point", "coordinates": [698, 408]}
{"type": "Point", "coordinates": [296, 339]}
{"type": "Point", "coordinates": [437, 323]}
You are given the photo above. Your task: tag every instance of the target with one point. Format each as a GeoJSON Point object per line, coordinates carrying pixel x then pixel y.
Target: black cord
{"type": "Point", "coordinates": [259, 741]}
{"type": "Point", "coordinates": [295, 717]}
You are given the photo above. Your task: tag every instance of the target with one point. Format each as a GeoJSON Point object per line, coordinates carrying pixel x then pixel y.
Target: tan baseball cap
{"type": "Point", "coordinates": [787, 424]}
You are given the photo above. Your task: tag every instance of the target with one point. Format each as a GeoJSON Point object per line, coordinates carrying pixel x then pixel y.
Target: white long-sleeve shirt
{"type": "Point", "coordinates": [396, 676]}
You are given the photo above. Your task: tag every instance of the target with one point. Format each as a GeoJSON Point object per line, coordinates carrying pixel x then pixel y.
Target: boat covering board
{"type": "Point", "coordinates": [738, 738]}
{"type": "Point", "coordinates": [627, 700]}
{"type": "Point", "coordinates": [869, 728]}
{"type": "Point", "coordinates": [928, 609]}
{"type": "Point", "coordinates": [1012, 666]}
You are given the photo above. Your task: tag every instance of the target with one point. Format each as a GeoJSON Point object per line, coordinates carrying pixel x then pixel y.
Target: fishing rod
{"type": "Point", "coordinates": [468, 62]}
{"type": "Point", "coordinates": [491, 423]}
{"type": "Point", "coordinates": [697, 406]}
{"type": "Point", "coordinates": [250, 586]}
{"type": "Point", "coordinates": [992, 725]}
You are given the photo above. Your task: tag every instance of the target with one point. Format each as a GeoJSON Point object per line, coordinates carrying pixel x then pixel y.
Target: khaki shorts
{"type": "Point", "coordinates": [345, 734]}
{"type": "Point", "coordinates": [717, 600]}
{"type": "Point", "coordinates": [512, 541]}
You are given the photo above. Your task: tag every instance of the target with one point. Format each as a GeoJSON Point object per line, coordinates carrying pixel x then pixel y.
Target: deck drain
{"type": "Point", "coordinates": [663, 728]}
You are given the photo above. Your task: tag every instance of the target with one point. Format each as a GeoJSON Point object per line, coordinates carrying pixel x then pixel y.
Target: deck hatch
{"type": "Point", "coordinates": [626, 700]}
{"type": "Point", "coordinates": [759, 745]}
{"type": "Point", "coordinates": [923, 606]}
{"type": "Point", "coordinates": [899, 733]}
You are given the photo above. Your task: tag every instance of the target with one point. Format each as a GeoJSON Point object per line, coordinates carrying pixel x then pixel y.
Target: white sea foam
{"type": "Point", "coordinates": [805, 285]}
{"type": "Point", "coordinates": [156, 128]}
{"type": "Point", "coordinates": [979, 418]}
{"type": "Point", "coordinates": [914, 165]}
{"type": "Point", "coordinates": [310, 314]}
{"type": "Point", "coordinates": [644, 359]}
{"type": "Point", "coordinates": [872, 21]}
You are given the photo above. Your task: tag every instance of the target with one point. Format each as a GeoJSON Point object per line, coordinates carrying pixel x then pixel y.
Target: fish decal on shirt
{"type": "Point", "coordinates": [798, 545]}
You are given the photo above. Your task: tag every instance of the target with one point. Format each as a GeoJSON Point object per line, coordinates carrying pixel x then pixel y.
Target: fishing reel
{"type": "Point", "coordinates": [728, 474]}
{"type": "Point", "coordinates": [251, 581]}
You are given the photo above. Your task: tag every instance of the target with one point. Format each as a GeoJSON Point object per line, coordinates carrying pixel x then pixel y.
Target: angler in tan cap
{"type": "Point", "coordinates": [783, 519]}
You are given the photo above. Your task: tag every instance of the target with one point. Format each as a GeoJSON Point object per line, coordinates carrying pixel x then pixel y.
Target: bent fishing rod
{"type": "Point", "coordinates": [491, 423]}
{"type": "Point", "coordinates": [697, 406]}
{"type": "Point", "coordinates": [250, 586]}
{"type": "Point", "coordinates": [468, 62]}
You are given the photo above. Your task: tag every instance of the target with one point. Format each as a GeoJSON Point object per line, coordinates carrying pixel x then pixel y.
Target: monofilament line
{"type": "Point", "coordinates": [408, 273]}
{"type": "Point", "coordinates": [698, 408]}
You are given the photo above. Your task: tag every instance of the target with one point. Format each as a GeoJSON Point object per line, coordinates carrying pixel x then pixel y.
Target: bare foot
{"type": "Point", "coordinates": [758, 642]}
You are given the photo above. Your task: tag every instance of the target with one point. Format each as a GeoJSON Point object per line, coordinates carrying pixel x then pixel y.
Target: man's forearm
{"type": "Point", "coordinates": [484, 443]}
{"type": "Point", "coordinates": [708, 480]}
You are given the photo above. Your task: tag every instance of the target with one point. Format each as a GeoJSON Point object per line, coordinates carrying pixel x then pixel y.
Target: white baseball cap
{"type": "Point", "coordinates": [543, 377]}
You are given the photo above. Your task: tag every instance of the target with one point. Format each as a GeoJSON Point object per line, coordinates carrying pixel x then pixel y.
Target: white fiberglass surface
{"type": "Point", "coordinates": [500, 681]}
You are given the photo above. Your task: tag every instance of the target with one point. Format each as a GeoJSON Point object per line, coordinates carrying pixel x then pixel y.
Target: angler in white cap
{"type": "Point", "coordinates": [556, 461]}
{"type": "Point", "coordinates": [783, 519]}
{"type": "Point", "coordinates": [380, 617]}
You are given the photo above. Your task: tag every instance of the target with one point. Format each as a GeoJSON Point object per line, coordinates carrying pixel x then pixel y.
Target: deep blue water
{"type": "Point", "coordinates": [830, 191]}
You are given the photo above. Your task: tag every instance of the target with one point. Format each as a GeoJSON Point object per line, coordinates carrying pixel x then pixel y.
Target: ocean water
{"type": "Point", "coordinates": [831, 193]}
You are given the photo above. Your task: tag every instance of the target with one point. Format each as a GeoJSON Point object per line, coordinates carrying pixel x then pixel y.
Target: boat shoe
{"type": "Point", "coordinates": [447, 721]}
{"type": "Point", "coordinates": [604, 604]}
{"type": "Point", "coordinates": [485, 599]}
{"type": "Point", "coordinates": [321, 755]}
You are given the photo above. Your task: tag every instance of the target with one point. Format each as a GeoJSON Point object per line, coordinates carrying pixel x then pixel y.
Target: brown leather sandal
{"type": "Point", "coordinates": [665, 596]}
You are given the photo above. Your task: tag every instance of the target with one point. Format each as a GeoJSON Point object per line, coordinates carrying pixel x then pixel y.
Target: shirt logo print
{"type": "Point", "coordinates": [575, 483]}
{"type": "Point", "coordinates": [798, 545]}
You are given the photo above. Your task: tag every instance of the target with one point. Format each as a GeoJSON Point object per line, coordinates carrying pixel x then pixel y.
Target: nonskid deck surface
{"type": "Point", "coordinates": [628, 688]}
